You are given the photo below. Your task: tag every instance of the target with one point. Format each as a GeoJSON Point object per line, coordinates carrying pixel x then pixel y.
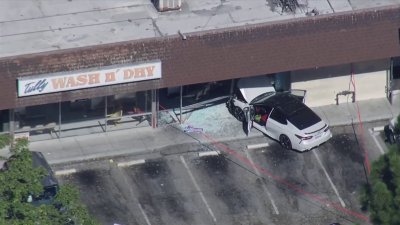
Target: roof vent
{"type": "Point", "coordinates": [167, 5]}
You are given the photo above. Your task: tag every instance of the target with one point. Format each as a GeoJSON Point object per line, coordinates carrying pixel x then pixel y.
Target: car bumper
{"type": "Point", "coordinates": [308, 145]}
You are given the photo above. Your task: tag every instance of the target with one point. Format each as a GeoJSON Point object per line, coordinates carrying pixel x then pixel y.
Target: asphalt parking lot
{"type": "Point", "coordinates": [265, 185]}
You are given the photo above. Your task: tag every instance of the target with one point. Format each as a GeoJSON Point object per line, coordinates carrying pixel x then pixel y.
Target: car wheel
{"type": "Point", "coordinates": [229, 105]}
{"type": "Point", "coordinates": [392, 139]}
{"type": "Point", "coordinates": [285, 142]}
{"type": "Point", "coordinates": [389, 135]}
{"type": "Point", "coordinates": [239, 114]}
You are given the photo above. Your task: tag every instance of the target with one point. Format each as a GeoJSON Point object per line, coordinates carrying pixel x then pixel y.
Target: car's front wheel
{"type": "Point", "coordinates": [285, 142]}
{"type": "Point", "coordinates": [239, 114]}
{"type": "Point", "coordinates": [230, 106]}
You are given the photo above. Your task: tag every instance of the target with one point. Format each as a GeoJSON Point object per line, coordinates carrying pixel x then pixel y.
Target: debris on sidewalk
{"type": "Point", "coordinates": [191, 129]}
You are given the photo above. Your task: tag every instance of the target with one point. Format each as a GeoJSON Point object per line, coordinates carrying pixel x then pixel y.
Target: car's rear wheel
{"type": "Point", "coordinates": [239, 114]}
{"type": "Point", "coordinates": [285, 142]}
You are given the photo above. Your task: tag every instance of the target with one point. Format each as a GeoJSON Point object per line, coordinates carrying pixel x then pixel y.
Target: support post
{"type": "Point", "coordinates": [180, 107]}
{"type": "Point", "coordinates": [59, 119]}
{"type": "Point", "coordinates": [232, 87]}
{"type": "Point", "coordinates": [105, 113]}
{"type": "Point", "coordinates": [12, 127]}
{"type": "Point", "coordinates": [154, 108]}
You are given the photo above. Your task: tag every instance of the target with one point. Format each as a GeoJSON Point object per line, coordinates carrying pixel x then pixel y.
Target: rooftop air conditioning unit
{"type": "Point", "coordinates": [166, 5]}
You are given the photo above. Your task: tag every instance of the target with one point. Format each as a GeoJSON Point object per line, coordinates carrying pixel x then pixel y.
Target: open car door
{"type": "Point", "coordinates": [300, 94]}
{"type": "Point", "coordinates": [249, 115]}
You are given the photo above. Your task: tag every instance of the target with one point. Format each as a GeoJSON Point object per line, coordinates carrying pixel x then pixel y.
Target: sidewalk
{"type": "Point", "coordinates": [214, 121]}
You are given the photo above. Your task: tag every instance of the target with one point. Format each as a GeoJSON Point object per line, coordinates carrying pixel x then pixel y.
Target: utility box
{"type": "Point", "coordinates": [167, 5]}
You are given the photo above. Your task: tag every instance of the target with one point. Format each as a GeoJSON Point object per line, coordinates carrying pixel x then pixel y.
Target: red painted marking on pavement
{"type": "Point", "coordinates": [283, 181]}
{"type": "Point", "coordinates": [361, 128]}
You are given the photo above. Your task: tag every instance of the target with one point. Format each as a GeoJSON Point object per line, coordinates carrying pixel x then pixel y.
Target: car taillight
{"type": "Point", "coordinates": [303, 138]}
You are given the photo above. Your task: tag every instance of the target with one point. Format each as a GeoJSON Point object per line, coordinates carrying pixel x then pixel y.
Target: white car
{"type": "Point", "coordinates": [282, 116]}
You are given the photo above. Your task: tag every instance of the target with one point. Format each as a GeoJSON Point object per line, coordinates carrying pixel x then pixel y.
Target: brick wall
{"type": "Point", "coordinates": [220, 54]}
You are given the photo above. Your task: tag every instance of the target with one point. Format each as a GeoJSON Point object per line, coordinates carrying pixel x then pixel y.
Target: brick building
{"type": "Point", "coordinates": [60, 89]}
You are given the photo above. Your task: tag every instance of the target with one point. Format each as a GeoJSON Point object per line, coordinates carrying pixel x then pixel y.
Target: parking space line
{"type": "Point", "coordinates": [329, 179]}
{"type": "Point", "coordinates": [131, 163]}
{"type": "Point", "coordinates": [285, 182]}
{"type": "Point", "coordinates": [376, 141]}
{"type": "Point", "coordinates": [378, 129]}
{"type": "Point", "coordinates": [144, 214]}
{"type": "Point", "coordinates": [198, 189]}
{"type": "Point", "coordinates": [64, 172]}
{"type": "Point", "coordinates": [255, 146]}
{"type": "Point", "coordinates": [209, 153]}
{"type": "Point", "coordinates": [262, 185]}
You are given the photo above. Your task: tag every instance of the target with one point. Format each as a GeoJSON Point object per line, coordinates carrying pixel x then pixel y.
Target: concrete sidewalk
{"type": "Point", "coordinates": [215, 121]}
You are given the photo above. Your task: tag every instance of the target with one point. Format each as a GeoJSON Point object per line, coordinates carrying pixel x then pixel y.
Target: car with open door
{"type": "Point", "coordinates": [282, 116]}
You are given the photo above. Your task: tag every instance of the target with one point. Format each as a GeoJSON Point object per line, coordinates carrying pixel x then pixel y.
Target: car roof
{"type": "Point", "coordinates": [285, 101]}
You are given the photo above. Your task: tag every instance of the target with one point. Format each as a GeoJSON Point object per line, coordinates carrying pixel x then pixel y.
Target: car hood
{"type": "Point", "coordinates": [255, 86]}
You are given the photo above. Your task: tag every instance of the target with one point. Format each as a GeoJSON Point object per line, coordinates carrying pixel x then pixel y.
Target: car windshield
{"type": "Point", "coordinates": [303, 117]}
{"type": "Point", "coordinates": [262, 97]}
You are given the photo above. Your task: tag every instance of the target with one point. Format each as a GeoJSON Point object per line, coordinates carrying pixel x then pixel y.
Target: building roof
{"type": "Point", "coordinates": [28, 26]}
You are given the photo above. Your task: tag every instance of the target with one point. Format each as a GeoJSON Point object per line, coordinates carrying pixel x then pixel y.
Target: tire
{"type": "Point", "coordinates": [230, 107]}
{"type": "Point", "coordinates": [285, 142]}
{"type": "Point", "coordinates": [389, 135]}
{"type": "Point", "coordinates": [239, 114]}
{"type": "Point", "coordinates": [391, 138]}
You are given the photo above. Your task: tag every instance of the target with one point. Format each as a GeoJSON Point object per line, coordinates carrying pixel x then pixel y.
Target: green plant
{"type": "Point", "coordinates": [382, 196]}
{"type": "Point", "coordinates": [20, 180]}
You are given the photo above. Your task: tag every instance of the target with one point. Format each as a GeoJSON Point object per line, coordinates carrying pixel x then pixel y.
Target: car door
{"type": "Point", "coordinates": [300, 94]}
{"type": "Point", "coordinates": [276, 124]}
{"type": "Point", "coordinates": [248, 118]}
{"type": "Point", "coordinates": [260, 117]}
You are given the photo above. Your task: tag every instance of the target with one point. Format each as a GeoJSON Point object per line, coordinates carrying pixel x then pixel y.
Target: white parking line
{"type": "Point", "coordinates": [198, 189]}
{"type": "Point", "coordinates": [263, 185]}
{"type": "Point", "coordinates": [209, 153]}
{"type": "Point", "coordinates": [64, 172]}
{"type": "Point", "coordinates": [376, 141]}
{"type": "Point", "coordinates": [131, 163]}
{"type": "Point", "coordinates": [329, 179]}
{"type": "Point", "coordinates": [255, 146]}
{"type": "Point", "coordinates": [144, 214]}
{"type": "Point", "coordinates": [378, 129]}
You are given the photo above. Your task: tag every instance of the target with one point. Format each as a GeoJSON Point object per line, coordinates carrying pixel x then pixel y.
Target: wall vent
{"type": "Point", "coordinates": [167, 5]}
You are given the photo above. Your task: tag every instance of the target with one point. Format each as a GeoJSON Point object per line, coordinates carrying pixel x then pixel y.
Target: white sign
{"type": "Point", "coordinates": [58, 82]}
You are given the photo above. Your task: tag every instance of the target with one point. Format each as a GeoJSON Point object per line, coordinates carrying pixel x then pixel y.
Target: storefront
{"type": "Point", "coordinates": [105, 87]}
{"type": "Point", "coordinates": [86, 115]}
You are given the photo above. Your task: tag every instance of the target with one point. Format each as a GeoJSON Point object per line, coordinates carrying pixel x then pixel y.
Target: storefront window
{"type": "Point", "coordinates": [82, 116]}
{"type": "Point", "coordinates": [128, 110]}
{"type": "Point", "coordinates": [37, 122]}
{"type": "Point", "coordinates": [4, 121]}
{"type": "Point", "coordinates": [193, 97]}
